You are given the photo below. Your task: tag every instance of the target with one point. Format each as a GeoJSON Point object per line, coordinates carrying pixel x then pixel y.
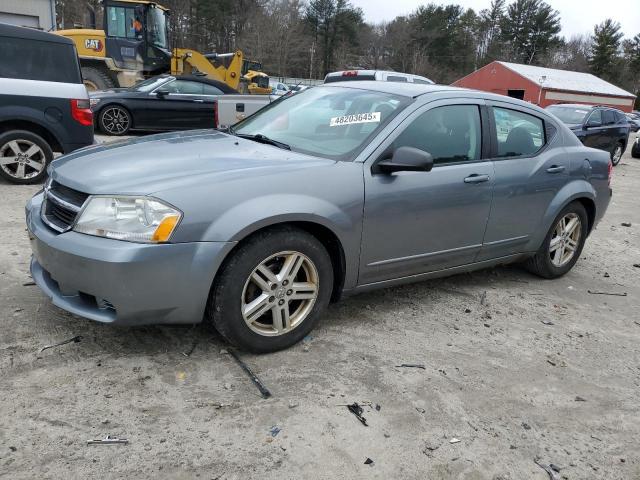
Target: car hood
{"type": "Point", "coordinates": [146, 165]}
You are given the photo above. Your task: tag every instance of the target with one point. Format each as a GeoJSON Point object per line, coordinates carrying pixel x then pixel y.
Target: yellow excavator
{"type": "Point", "coordinates": [134, 45]}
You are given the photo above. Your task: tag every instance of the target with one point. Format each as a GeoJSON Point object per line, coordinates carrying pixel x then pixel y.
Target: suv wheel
{"type": "Point", "coordinates": [616, 155]}
{"type": "Point", "coordinates": [563, 244]}
{"type": "Point", "coordinates": [114, 120]}
{"type": "Point", "coordinates": [272, 290]}
{"type": "Point", "coordinates": [24, 156]}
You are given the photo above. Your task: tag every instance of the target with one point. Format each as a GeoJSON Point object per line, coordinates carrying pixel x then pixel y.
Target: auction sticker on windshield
{"type": "Point", "coordinates": [371, 117]}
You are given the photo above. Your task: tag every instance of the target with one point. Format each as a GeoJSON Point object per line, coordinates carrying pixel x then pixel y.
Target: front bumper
{"type": "Point", "coordinates": [122, 283]}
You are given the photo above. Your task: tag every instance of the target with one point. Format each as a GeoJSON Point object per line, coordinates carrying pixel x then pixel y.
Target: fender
{"type": "Point", "coordinates": [31, 115]}
{"type": "Point", "coordinates": [254, 214]}
{"type": "Point", "coordinates": [573, 190]}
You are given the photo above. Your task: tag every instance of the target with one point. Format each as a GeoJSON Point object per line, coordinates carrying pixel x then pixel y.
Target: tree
{"type": "Point", "coordinates": [530, 28]}
{"type": "Point", "coordinates": [489, 46]}
{"type": "Point", "coordinates": [333, 23]}
{"type": "Point", "coordinates": [604, 58]}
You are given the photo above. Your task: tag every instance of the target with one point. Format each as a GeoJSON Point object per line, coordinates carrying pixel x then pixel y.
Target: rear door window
{"type": "Point", "coordinates": [518, 134]}
{"type": "Point", "coordinates": [609, 117]}
{"type": "Point", "coordinates": [27, 59]}
{"type": "Point", "coordinates": [396, 78]}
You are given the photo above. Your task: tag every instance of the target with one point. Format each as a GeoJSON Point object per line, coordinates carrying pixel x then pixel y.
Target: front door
{"type": "Point", "coordinates": [594, 135]}
{"type": "Point", "coordinates": [180, 105]}
{"type": "Point", "coordinates": [529, 170]}
{"type": "Point", "coordinates": [417, 222]}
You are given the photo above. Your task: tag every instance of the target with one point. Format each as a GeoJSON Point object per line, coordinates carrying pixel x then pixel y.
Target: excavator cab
{"type": "Point", "coordinates": [136, 35]}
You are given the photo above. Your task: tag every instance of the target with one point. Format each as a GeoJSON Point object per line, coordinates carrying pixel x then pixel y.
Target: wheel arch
{"type": "Point", "coordinates": [321, 232]}
{"type": "Point", "coordinates": [115, 103]}
{"type": "Point", "coordinates": [34, 127]}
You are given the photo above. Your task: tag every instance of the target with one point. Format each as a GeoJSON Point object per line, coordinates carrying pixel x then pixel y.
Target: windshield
{"type": "Point", "coordinates": [570, 115]}
{"type": "Point", "coordinates": [156, 27]}
{"type": "Point", "coordinates": [149, 84]}
{"type": "Point", "coordinates": [328, 122]}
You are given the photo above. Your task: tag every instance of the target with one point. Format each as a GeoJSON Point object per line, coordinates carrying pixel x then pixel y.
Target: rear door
{"type": "Point", "coordinates": [529, 169]}
{"type": "Point", "coordinates": [417, 222]}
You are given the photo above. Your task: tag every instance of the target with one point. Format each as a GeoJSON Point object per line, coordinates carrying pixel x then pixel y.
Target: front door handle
{"type": "Point", "coordinates": [198, 101]}
{"type": "Point", "coordinates": [475, 178]}
{"type": "Point", "coordinates": [555, 169]}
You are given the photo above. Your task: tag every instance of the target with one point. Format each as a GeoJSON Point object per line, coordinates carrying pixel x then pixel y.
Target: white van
{"type": "Point", "coordinates": [378, 75]}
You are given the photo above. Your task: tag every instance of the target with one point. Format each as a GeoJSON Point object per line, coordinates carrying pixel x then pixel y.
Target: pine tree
{"type": "Point", "coordinates": [604, 58]}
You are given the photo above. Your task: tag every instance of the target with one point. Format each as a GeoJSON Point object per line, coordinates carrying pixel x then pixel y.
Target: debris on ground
{"type": "Point", "coordinates": [275, 430]}
{"type": "Point", "coordinates": [357, 411]}
{"type": "Point", "coordinates": [368, 461]}
{"type": "Point", "coordinates": [580, 399]}
{"type": "Point", "coordinates": [455, 440]}
{"type": "Point", "coordinates": [412, 365]}
{"type": "Point", "coordinates": [108, 440]}
{"type": "Point", "coordinates": [615, 294]}
{"type": "Point", "coordinates": [467, 310]}
{"type": "Point", "coordinates": [483, 298]}
{"type": "Point", "coordinates": [547, 322]}
{"type": "Point", "coordinates": [526, 426]}
{"type": "Point", "coordinates": [637, 265]}
{"type": "Point", "coordinates": [30, 283]}
{"type": "Point", "coordinates": [256, 381]}
{"type": "Point", "coordinates": [378, 407]}
{"type": "Point", "coordinates": [548, 469]}
{"type": "Point", "coordinates": [76, 339]}
{"type": "Point", "coordinates": [626, 224]}
{"type": "Point", "coordinates": [606, 275]}
{"type": "Point", "coordinates": [293, 404]}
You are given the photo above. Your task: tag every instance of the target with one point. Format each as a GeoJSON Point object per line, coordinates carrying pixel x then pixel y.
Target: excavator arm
{"type": "Point", "coordinates": [225, 67]}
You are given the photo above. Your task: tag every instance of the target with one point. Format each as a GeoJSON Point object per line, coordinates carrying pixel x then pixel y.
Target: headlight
{"type": "Point", "coordinates": [93, 102]}
{"type": "Point", "coordinates": [135, 219]}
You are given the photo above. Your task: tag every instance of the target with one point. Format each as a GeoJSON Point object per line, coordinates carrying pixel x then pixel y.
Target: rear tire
{"type": "Point", "coordinates": [552, 259]}
{"type": "Point", "coordinates": [24, 156]}
{"type": "Point", "coordinates": [616, 154]}
{"type": "Point", "coordinates": [635, 150]}
{"type": "Point", "coordinates": [257, 304]}
{"type": "Point", "coordinates": [96, 79]}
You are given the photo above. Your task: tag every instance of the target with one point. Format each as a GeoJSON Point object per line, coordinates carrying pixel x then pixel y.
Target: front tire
{"type": "Point", "coordinates": [24, 156]}
{"type": "Point", "coordinates": [114, 120]}
{"type": "Point", "coordinates": [272, 290]}
{"type": "Point", "coordinates": [616, 154]}
{"type": "Point", "coordinates": [563, 244]}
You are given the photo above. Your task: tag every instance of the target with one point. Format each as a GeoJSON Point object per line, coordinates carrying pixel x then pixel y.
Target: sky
{"type": "Point", "coordinates": [577, 16]}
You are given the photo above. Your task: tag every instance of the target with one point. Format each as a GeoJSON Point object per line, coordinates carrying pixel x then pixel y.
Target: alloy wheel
{"type": "Point", "coordinates": [617, 155]}
{"type": "Point", "coordinates": [115, 120]}
{"type": "Point", "coordinates": [280, 293]}
{"type": "Point", "coordinates": [565, 239]}
{"type": "Point", "coordinates": [22, 159]}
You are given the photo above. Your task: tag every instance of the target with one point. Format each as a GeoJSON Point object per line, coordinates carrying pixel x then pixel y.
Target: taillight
{"type": "Point", "coordinates": [81, 112]}
{"type": "Point", "coordinates": [610, 172]}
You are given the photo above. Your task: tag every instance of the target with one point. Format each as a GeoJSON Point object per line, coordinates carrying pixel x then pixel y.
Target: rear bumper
{"type": "Point", "coordinates": [119, 282]}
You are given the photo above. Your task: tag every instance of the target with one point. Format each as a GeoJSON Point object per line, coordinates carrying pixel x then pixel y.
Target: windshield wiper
{"type": "Point", "coordinates": [260, 138]}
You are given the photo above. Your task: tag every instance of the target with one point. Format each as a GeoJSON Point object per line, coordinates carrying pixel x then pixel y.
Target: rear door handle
{"type": "Point", "coordinates": [555, 169]}
{"type": "Point", "coordinates": [475, 178]}
{"type": "Point", "coordinates": [198, 100]}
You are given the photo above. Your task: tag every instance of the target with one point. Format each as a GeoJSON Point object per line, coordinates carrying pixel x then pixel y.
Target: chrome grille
{"type": "Point", "coordinates": [61, 206]}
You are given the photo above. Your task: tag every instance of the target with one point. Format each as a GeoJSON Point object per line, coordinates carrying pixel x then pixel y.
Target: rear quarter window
{"type": "Point", "coordinates": [37, 60]}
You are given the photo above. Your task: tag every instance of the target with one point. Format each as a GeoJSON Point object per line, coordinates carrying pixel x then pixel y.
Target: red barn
{"type": "Point", "coordinates": [546, 86]}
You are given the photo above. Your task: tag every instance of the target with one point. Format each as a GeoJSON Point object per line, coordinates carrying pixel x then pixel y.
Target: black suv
{"type": "Point", "coordinates": [44, 106]}
{"type": "Point", "coordinates": [599, 127]}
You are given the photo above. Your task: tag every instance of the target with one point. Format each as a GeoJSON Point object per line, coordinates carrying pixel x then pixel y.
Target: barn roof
{"type": "Point", "coordinates": [566, 80]}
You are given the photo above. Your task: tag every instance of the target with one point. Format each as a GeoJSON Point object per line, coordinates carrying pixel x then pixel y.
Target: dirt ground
{"type": "Point", "coordinates": [516, 368]}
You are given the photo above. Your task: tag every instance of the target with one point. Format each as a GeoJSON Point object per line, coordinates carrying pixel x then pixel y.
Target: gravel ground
{"type": "Point", "coordinates": [516, 368]}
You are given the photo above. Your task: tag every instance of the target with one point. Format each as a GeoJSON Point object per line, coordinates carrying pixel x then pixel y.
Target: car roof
{"type": "Point", "coordinates": [25, 33]}
{"type": "Point", "coordinates": [404, 89]}
{"type": "Point", "coordinates": [202, 79]}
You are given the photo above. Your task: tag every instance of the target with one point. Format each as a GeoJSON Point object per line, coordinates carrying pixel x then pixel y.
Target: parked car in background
{"type": "Point", "coordinates": [231, 109]}
{"type": "Point", "coordinates": [339, 189]}
{"type": "Point", "coordinates": [635, 148]}
{"type": "Point", "coordinates": [44, 107]}
{"type": "Point", "coordinates": [377, 75]}
{"type": "Point", "coordinates": [599, 127]}
{"type": "Point", "coordinates": [279, 88]}
{"type": "Point", "coordinates": [298, 88]}
{"type": "Point", "coordinates": [161, 103]}
{"type": "Point", "coordinates": [634, 122]}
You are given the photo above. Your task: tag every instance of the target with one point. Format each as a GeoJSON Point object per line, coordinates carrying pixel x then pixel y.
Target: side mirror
{"type": "Point", "coordinates": [162, 93]}
{"type": "Point", "coordinates": [405, 159]}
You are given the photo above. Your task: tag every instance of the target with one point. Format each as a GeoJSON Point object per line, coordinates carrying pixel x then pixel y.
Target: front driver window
{"type": "Point", "coordinates": [450, 134]}
{"type": "Point", "coordinates": [183, 87]}
{"type": "Point", "coordinates": [519, 134]}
